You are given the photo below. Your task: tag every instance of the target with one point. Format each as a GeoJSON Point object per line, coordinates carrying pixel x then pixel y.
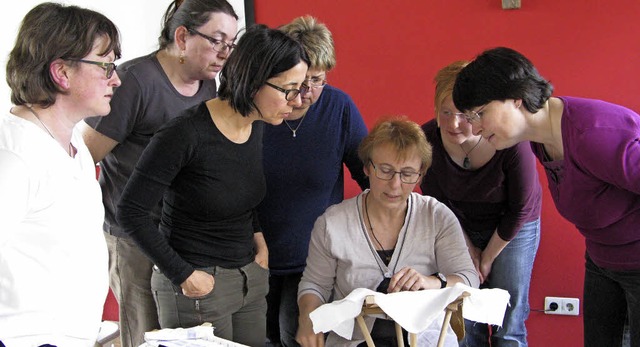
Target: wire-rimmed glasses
{"type": "Point", "coordinates": [289, 94]}
{"type": "Point", "coordinates": [451, 114]}
{"type": "Point", "coordinates": [218, 45]}
{"type": "Point", "coordinates": [314, 82]}
{"type": "Point", "coordinates": [474, 116]}
{"type": "Point", "coordinates": [386, 173]}
{"type": "Point", "coordinates": [109, 68]}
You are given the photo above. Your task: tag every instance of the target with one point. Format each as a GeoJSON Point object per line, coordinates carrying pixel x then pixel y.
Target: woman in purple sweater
{"type": "Point", "coordinates": [496, 196]}
{"type": "Point", "coordinates": [590, 150]}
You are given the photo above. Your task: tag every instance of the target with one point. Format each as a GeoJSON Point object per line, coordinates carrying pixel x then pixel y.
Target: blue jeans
{"type": "Point", "coordinates": [282, 309]}
{"type": "Point", "coordinates": [610, 298]}
{"type": "Point", "coordinates": [511, 271]}
{"type": "Point", "coordinates": [236, 307]}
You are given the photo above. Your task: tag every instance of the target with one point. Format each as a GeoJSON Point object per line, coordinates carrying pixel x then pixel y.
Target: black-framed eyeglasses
{"type": "Point", "coordinates": [314, 82]}
{"type": "Point", "coordinates": [109, 68]}
{"type": "Point", "coordinates": [475, 116]}
{"type": "Point", "coordinates": [289, 94]}
{"type": "Point", "coordinates": [218, 45]}
{"type": "Point", "coordinates": [386, 173]}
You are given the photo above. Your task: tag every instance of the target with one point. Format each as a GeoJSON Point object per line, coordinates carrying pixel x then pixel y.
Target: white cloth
{"type": "Point", "coordinates": [53, 256]}
{"type": "Point", "coordinates": [414, 311]}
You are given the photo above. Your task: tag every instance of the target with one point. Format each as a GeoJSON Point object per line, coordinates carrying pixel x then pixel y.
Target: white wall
{"type": "Point", "coordinates": [139, 22]}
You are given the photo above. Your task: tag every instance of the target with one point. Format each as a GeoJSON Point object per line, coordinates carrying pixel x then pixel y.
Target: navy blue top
{"type": "Point", "coordinates": [305, 174]}
{"type": "Point", "coordinates": [503, 194]}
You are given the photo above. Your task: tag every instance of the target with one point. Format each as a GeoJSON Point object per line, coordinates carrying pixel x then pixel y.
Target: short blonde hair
{"type": "Point", "coordinates": [444, 80]}
{"type": "Point", "coordinates": [402, 135]}
{"type": "Point", "coordinates": [316, 39]}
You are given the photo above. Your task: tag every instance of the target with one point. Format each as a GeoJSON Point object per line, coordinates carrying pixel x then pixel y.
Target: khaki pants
{"type": "Point", "coordinates": [130, 281]}
{"type": "Point", "coordinates": [236, 307]}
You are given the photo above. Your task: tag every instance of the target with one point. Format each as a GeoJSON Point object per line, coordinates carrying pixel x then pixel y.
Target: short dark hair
{"type": "Point", "coordinates": [192, 14]}
{"type": "Point", "coordinates": [500, 74]}
{"type": "Point", "coordinates": [261, 53]}
{"type": "Point", "coordinates": [48, 32]}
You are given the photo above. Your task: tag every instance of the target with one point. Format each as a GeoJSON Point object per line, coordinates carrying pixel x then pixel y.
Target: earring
{"type": "Point", "coordinates": [181, 58]}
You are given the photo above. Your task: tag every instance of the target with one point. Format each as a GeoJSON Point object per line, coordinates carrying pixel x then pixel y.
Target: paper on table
{"type": "Point", "coordinates": [197, 332]}
{"type": "Point", "coordinates": [414, 311]}
{"type": "Point", "coordinates": [199, 336]}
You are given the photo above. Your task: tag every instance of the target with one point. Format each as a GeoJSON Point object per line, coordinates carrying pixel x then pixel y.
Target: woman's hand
{"type": "Point", "coordinates": [408, 279]}
{"type": "Point", "coordinates": [305, 335]}
{"type": "Point", "coordinates": [476, 258]}
{"type": "Point", "coordinates": [198, 284]}
{"type": "Point", "coordinates": [262, 252]}
{"type": "Point", "coordinates": [485, 267]}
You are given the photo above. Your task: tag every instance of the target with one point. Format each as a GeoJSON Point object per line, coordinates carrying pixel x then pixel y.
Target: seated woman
{"type": "Point", "coordinates": [387, 236]}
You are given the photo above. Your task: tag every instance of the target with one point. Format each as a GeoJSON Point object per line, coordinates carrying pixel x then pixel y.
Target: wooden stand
{"type": "Point", "coordinates": [452, 310]}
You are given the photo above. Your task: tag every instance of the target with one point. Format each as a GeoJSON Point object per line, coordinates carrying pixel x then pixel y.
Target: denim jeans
{"type": "Point", "coordinates": [510, 271]}
{"type": "Point", "coordinates": [236, 307]}
{"type": "Point", "coordinates": [282, 309]}
{"type": "Point", "coordinates": [610, 298]}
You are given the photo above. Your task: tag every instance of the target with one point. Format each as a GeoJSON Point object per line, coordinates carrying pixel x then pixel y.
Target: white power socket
{"type": "Point", "coordinates": [562, 306]}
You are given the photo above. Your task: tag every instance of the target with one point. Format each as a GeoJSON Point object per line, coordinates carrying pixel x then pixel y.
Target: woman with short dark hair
{"type": "Point", "coordinates": [497, 198]}
{"type": "Point", "coordinates": [206, 166]}
{"type": "Point", "coordinates": [53, 257]}
{"type": "Point", "coordinates": [590, 150]}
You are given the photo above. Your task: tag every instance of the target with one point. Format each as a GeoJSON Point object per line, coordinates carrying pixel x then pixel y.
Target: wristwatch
{"type": "Point", "coordinates": [442, 278]}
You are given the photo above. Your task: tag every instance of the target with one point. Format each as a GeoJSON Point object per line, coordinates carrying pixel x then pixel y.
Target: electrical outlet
{"type": "Point", "coordinates": [562, 306]}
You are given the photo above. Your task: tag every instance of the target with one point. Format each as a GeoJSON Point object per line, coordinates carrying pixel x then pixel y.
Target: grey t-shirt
{"type": "Point", "coordinates": [144, 101]}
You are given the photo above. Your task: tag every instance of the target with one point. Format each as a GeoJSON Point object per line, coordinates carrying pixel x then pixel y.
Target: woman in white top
{"type": "Point", "coordinates": [53, 257]}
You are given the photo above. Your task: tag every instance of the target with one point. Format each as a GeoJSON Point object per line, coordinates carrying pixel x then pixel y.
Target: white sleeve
{"type": "Point", "coordinates": [14, 192]}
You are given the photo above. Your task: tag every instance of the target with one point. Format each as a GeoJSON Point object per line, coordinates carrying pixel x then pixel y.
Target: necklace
{"type": "Point", "coordinates": [298, 127]}
{"type": "Point", "coordinates": [387, 256]}
{"type": "Point", "coordinates": [47, 129]}
{"type": "Point", "coordinates": [466, 163]}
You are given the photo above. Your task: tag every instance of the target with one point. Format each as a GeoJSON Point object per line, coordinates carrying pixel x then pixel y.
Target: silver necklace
{"type": "Point", "coordinates": [298, 127]}
{"type": "Point", "coordinates": [47, 129]}
{"type": "Point", "coordinates": [466, 163]}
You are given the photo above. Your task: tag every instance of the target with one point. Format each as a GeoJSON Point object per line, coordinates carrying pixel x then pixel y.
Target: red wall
{"type": "Point", "coordinates": [388, 53]}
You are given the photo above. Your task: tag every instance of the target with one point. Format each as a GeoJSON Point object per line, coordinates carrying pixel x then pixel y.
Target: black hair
{"type": "Point", "coordinates": [500, 74]}
{"type": "Point", "coordinates": [192, 14]}
{"type": "Point", "coordinates": [262, 53]}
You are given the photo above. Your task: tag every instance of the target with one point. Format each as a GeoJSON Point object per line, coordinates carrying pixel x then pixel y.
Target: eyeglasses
{"type": "Point", "coordinates": [289, 94]}
{"type": "Point", "coordinates": [314, 82]}
{"type": "Point", "coordinates": [386, 173]}
{"type": "Point", "coordinates": [110, 68]}
{"type": "Point", "coordinates": [218, 45]}
{"type": "Point", "coordinates": [475, 116]}
{"type": "Point", "coordinates": [449, 114]}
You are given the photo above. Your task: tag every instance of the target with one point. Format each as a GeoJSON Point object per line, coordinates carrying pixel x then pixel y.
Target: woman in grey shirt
{"type": "Point", "coordinates": [387, 238]}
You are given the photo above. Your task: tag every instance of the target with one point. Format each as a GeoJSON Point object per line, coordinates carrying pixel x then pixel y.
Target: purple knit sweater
{"type": "Point", "coordinates": [597, 184]}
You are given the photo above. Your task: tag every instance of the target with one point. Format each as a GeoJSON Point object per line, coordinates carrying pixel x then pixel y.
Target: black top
{"type": "Point", "coordinates": [210, 187]}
